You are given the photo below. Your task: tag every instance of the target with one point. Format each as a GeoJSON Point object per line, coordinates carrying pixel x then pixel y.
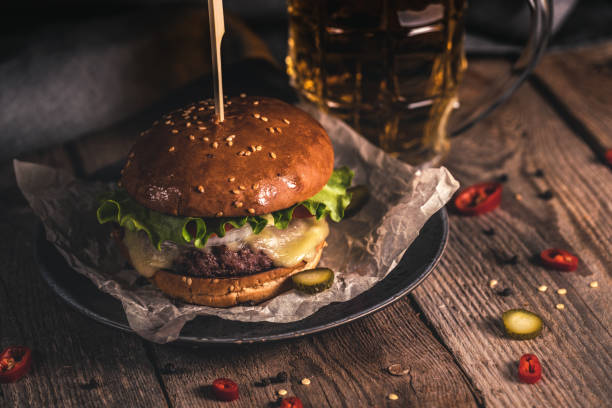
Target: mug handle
{"type": "Point", "coordinates": [540, 30]}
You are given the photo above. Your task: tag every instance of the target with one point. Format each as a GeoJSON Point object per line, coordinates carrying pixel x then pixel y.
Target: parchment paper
{"type": "Point", "coordinates": [362, 249]}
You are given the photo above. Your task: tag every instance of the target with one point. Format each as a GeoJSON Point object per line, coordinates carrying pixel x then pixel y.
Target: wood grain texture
{"type": "Point", "coordinates": [346, 366]}
{"type": "Point", "coordinates": [575, 347]}
{"type": "Point", "coordinates": [581, 80]}
{"type": "Point", "coordinates": [70, 350]}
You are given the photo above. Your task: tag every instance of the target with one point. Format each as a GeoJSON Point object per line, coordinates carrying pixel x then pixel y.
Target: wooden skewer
{"type": "Point", "coordinates": [217, 29]}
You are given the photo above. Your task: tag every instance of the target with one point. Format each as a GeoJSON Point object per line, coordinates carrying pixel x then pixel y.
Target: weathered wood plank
{"type": "Point", "coordinates": [581, 81]}
{"type": "Point", "coordinates": [346, 366]}
{"type": "Point", "coordinates": [70, 350]}
{"type": "Point", "coordinates": [575, 347]}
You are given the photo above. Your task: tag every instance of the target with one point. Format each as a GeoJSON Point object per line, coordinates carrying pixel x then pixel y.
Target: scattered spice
{"type": "Point", "coordinates": [518, 197]}
{"type": "Point", "coordinates": [502, 178]}
{"type": "Point", "coordinates": [291, 402]}
{"type": "Point", "coordinates": [542, 288]}
{"type": "Point", "coordinates": [538, 173]}
{"type": "Point", "coordinates": [559, 259]}
{"type": "Point", "coordinates": [505, 292]}
{"type": "Point", "coordinates": [175, 131]}
{"type": "Point", "coordinates": [273, 155]}
{"type": "Point", "coordinates": [489, 232]}
{"type": "Point", "coordinates": [282, 392]}
{"type": "Point", "coordinates": [397, 370]}
{"type": "Point", "coordinates": [201, 188]}
{"type": "Point", "coordinates": [529, 369]}
{"type": "Point", "coordinates": [286, 121]}
{"type": "Point", "coordinates": [493, 283]}
{"type": "Point", "coordinates": [560, 306]}
{"type": "Point", "coordinates": [594, 284]}
{"type": "Point", "coordinates": [393, 397]}
{"type": "Point", "coordinates": [305, 381]}
{"type": "Point", "coordinates": [562, 291]}
{"type": "Point", "coordinates": [478, 198]}
{"type": "Point", "coordinates": [546, 195]}
{"type": "Point", "coordinates": [171, 149]}
{"type": "Point", "coordinates": [92, 384]}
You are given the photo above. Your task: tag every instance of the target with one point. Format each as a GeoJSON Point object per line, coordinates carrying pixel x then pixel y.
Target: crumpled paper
{"type": "Point", "coordinates": [362, 249]}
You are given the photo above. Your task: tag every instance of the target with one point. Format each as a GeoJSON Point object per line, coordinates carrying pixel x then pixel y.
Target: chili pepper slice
{"type": "Point", "coordinates": [479, 198]}
{"type": "Point", "coordinates": [291, 402]}
{"type": "Point", "coordinates": [529, 369]}
{"type": "Point", "coordinates": [559, 259]}
{"type": "Point", "coordinates": [225, 389]}
{"type": "Point", "coordinates": [15, 362]}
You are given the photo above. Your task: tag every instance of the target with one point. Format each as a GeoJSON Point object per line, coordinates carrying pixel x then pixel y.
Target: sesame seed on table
{"type": "Point", "coordinates": [443, 340]}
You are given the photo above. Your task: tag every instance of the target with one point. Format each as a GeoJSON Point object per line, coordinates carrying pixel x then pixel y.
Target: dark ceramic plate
{"type": "Point", "coordinates": [417, 263]}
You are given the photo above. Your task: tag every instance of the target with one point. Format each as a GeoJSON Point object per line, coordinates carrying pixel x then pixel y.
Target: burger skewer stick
{"type": "Point", "coordinates": [217, 29]}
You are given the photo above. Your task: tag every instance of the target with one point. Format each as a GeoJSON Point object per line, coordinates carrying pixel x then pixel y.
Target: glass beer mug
{"type": "Point", "coordinates": [391, 68]}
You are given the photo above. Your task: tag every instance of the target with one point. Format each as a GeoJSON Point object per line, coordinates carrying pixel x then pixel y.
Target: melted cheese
{"type": "Point", "coordinates": [146, 259]}
{"type": "Point", "coordinates": [290, 246]}
{"type": "Point", "coordinates": [287, 247]}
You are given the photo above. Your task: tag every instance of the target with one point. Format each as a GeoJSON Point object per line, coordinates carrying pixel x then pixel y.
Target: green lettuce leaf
{"type": "Point", "coordinates": [117, 206]}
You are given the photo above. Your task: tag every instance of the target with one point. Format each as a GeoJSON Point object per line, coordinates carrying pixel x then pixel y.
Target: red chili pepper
{"type": "Point", "coordinates": [225, 389]}
{"type": "Point", "coordinates": [529, 369]}
{"type": "Point", "coordinates": [15, 362]}
{"type": "Point", "coordinates": [608, 155]}
{"type": "Point", "coordinates": [291, 402]}
{"type": "Point", "coordinates": [301, 212]}
{"type": "Point", "coordinates": [479, 198]}
{"type": "Point", "coordinates": [559, 259]}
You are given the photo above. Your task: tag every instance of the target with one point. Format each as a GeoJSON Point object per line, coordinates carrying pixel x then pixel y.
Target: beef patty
{"type": "Point", "coordinates": [221, 262]}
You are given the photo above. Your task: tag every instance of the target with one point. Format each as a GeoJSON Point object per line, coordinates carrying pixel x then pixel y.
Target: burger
{"type": "Point", "coordinates": [224, 213]}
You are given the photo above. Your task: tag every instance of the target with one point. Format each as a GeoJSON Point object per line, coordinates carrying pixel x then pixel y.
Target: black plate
{"type": "Point", "coordinates": [417, 263]}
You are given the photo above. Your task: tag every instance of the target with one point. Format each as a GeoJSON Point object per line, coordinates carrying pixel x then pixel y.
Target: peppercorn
{"type": "Point", "coordinates": [546, 195]}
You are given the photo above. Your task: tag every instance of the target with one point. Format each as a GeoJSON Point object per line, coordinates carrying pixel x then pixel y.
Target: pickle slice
{"type": "Point", "coordinates": [522, 324]}
{"type": "Point", "coordinates": [313, 280]}
{"type": "Point", "coordinates": [359, 197]}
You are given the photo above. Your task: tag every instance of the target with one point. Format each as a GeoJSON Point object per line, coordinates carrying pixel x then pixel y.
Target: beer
{"type": "Point", "coordinates": [389, 68]}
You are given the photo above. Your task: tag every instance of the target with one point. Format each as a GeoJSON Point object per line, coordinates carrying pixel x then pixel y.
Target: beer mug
{"type": "Point", "coordinates": [391, 68]}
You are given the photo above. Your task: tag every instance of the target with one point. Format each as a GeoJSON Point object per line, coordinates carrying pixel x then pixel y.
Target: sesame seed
{"type": "Point", "coordinates": [191, 137]}
{"type": "Point", "coordinates": [230, 138]}
{"type": "Point", "coordinates": [493, 283]}
{"type": "Point", "coordinates": [201, 188]}
{"type": "Point", "coordinates": [174, 131]}
{"type": "Point", "coordinates": [542, 288]}
{"type": "Point", "coordinates": [305, 381]}
{"type": "Point", "coordinates": [220, 214]}
{"type": "Point", "coordinates": [194, 117]}
{"type": "Point", "coordinates": [264, 118]}
{"type": "Point", "coordinates": [518, 196]}
{"type": "Point", "coordinates": [211, 107]}
{"type": "Point", "coordinates": [119, 183]}
{"type": "Point", "coordinates": [243, 95]}
{"type": "Point", "coordinates": [156, 123]}
{"type": "Point", "coordinates": [189, 281]}
{"type": "Point", "coordinates": [258, 148]}
{"type": "Point", "coordinates": [273, 155]}
{"type": "Point", "coordinates": [201, 108]}
{"type": "Point", "coordinates": [256, 115]}
{"type": "Point", "coordinates": [215, 145]}
{"type": "Point", "coordinates": [247, 153]}
{"type": "Point", "coordinates": [286, 121]}
{"type": "Point", "coordinates": [252, 148]}
{"type": "Point", "coordinates": [256, 103]}
{"type": "Point", "coordinates": [168, 122]}
{"type": "Point", "coordinates": [184, 279]}
{"type": "Point", "coordinates": [238, 204]}
{"type": "Point", "coordinates": [229, 103]}
{"type": "Point", "coordinates": [235, 191]}
{"type": "Point", "coordinates": [242, 188]}
{"type": "Point", "coordinates": [188, 124]}
{"type": "Point", "coordinates": [205, 138]}
{"type": "Point", "coordinates": [255, 186]}
{"type": "Point", "coordinates": [122, 171]}
{"type": "Point", "coordinates": [594, 284]}
{"type": "Point", "coordinates": [131, 155]}
{"type": "Point", "coordinates": [202, 127]}
{"type": "Point", "coordinates": [562, 291]}
{"type": "Point", "coordinates": [282, 392]}
{"type": "Point", "coordinates": [271, 129]}
{"type": "Point", "coordinates": [251, 211]}
{"type": "Point", "coordinates": [231, 179]}
{"type": "Point", "coordinates": [230, 143]}
{"type": "Point", "coordinates": [241, 153]}
{"type": "Point", "coordinates": [393, 397]}
{"type": "Point", "coordinates": [231, 288]}
{"type": "Point", "coordinates": [171, 149]}
{"type": "Point", "coordinates": [279, 130]}
{"type": "Point", "coordinates": [560, 306]}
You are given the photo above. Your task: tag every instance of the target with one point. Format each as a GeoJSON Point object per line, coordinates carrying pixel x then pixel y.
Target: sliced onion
{"type": "Point", "coordinates": [233, 235]}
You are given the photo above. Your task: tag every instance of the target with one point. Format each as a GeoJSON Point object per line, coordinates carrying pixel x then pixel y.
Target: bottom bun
{"type": "Point", "coordinates": [227, 292]}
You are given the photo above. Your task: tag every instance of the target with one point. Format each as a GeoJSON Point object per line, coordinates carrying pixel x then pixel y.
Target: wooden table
{"type": "Point", "coordinates": [446, 333]}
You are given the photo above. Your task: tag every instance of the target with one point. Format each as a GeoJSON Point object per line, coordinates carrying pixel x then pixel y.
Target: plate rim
{"type": "Point", "coordinates": [72, 302]}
